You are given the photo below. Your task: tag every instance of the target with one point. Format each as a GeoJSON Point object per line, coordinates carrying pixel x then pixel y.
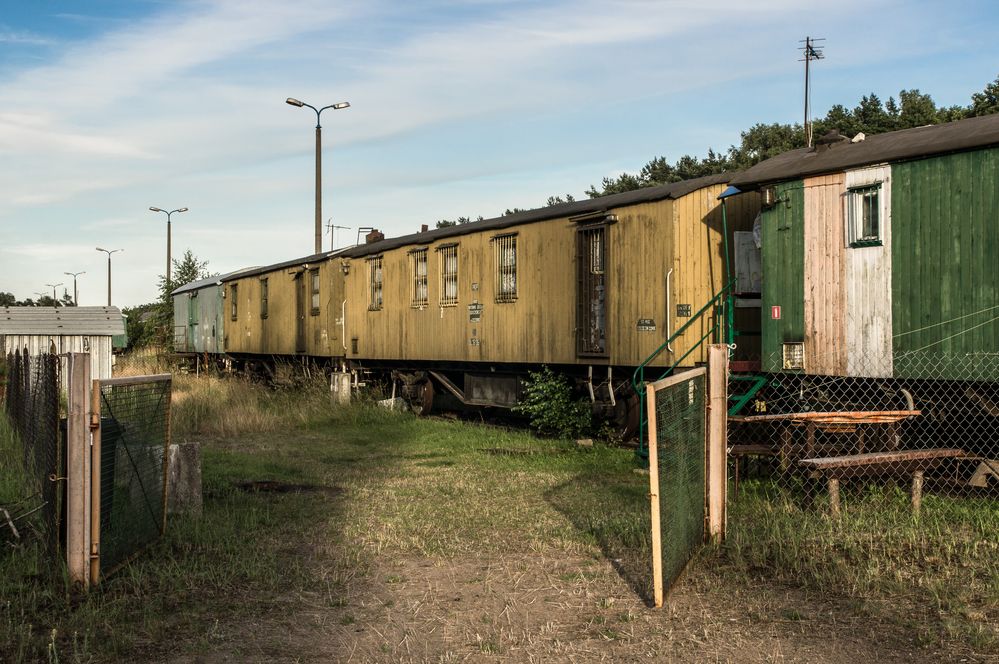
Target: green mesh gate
{"type": "Point", "coordinates": [677, 449]}
{"type": "Point", "coordinates": [134, 446]}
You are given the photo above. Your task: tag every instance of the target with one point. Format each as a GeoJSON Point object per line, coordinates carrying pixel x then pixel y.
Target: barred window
{"type": "Point", "coordinates": [418, 269]}
{"type": "Point", "coordinates": [505, 262]}
{"type": "Point", "coordinates": [375, 283]}
{"type": "Point", "coordinates": [863, 205]}
{"type": "Point", "coordinates": [263, 297]}
{"type": "Point", "coordinates": [314, 280]}
{"type": "Point", "coordinates": [448, 274]}
{"type": "Point", "coordinates": [233, 301]}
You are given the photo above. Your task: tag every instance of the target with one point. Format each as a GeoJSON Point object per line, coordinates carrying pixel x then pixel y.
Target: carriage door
{"type": "Point", "coordinates": [591, 291]}
{"type": "Point", "coordinates": [301, 311]}
{"type": "Point", "coordinates": [193, 341]}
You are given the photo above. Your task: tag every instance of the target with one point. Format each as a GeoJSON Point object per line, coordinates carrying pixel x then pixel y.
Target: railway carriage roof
{"type": "Point", "coordinates": [901, 145]}
{"type": "Point", "coordinates": [644, 195]}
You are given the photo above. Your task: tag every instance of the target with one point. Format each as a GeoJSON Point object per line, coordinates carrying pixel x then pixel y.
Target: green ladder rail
{"type": "Point", "coordinates": [721, 319]}
{"type": "Point", "coordinates": [757, 383]}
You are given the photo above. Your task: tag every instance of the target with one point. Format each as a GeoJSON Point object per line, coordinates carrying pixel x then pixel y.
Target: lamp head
{"type": "Point", "coordinates": [343, 104]}
{"type": "Point", "coordinates": [156, 209]}
{"type": "Point", "coordinates": [294, 102]}
{"type": "Point", "coordinates": [182, 210]}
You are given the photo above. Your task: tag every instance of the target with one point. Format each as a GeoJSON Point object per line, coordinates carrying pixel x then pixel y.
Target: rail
{"type": "Point", "coordinates": [717, 305]}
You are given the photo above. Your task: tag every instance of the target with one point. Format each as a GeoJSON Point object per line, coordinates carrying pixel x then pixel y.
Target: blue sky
{"type": "Point", "coordinates": [457, 108]}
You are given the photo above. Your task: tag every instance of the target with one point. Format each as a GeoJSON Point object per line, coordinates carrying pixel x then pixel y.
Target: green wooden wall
{"type": "Point", "coordinates": [783, 256]}
{"type": "Point", "coordinates": [945, 265]}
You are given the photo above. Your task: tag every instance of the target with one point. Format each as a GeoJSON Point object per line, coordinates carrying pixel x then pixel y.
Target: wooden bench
{"type": "Point", "coordinates": [897, 463]}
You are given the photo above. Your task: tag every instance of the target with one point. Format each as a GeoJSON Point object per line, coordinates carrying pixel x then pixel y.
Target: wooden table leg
{"type": "Point", "coordinates": [894, 436]}
{"type": "Point", "coordinates": [917, 491]}
{"type": "Point", "coordinates": [809, 440]}
{"type": "Point", "coordinates": [833, 485]}
{"type": "Point", "coordinates": [785, 448]}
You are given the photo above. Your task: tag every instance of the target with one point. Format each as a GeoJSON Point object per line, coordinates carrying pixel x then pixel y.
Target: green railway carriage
{"type": "Point", "coordinates": [880, 254]}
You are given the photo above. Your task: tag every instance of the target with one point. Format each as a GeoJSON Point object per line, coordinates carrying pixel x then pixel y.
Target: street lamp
{"type": "Point", "coordinates": [109, 252]}
{"type": "Point", "coordinates": [319, 162]}
{"type": "Point", "coordinates": [156, 209]}
{"type": "Point", "coordinates": [55, 302]}
{"type": "Point", "coordinates": [76, 293]}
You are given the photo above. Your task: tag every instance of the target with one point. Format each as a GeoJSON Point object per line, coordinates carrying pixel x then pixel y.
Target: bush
{"type": "Point", "coordinates": [549, 402]}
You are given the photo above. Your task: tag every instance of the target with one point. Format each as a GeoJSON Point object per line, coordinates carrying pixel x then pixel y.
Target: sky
{"type": "Point", "coordinates": [458, 108]}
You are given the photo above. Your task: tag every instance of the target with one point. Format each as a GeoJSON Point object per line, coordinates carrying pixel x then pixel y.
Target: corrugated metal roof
{"type": "Point", "coordinates": [892, 146]}
{"type": "Point", "coordinates": [61, 320]}
{"type": "Point", "coordinates": [562, 210]}
{"type": "Point", "coordinates": [210, 281]}
{"type": "Point", "coordinates": [264, 269]}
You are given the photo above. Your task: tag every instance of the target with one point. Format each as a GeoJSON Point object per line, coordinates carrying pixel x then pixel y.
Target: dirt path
{"type": "Point", "coordinates": [533, 608]}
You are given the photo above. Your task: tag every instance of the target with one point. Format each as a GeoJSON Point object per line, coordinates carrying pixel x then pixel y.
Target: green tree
{"type": "Point", "coordinates": [985, 102]}
{"type": "Point", "coordinates": [7, 299]}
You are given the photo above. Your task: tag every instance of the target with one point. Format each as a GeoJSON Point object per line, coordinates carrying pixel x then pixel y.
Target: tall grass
{"type": "Point", "coordinates": [938, 572]}
{"type": "Point", "coordinates": [222, 406]}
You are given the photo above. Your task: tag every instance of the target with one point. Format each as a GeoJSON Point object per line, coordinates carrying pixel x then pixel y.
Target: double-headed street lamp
{"type": "Point", "coordinates": [319, 162]}
{"type": "Point", "coordinates": [156, 209]}
{"type": "Point", "coordinates": [55, 302]}
{"type": "Point", "coordinates": [76, 293]}
{"type": "Point", "coordinates": [109, 252]}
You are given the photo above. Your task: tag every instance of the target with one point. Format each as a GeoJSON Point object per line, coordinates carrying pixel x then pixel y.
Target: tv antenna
{"type": "Point", "coordinates": [812, 50]}
{"type": "Point", "coordinates": [332, 229]}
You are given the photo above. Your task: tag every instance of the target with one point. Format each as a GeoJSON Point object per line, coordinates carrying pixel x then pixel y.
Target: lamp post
{"type": "Point", "coordinates": [319, 162]}
{"type": "Point", "coordinates": [156, 209]}
{"type": "Point", "coordinates": [76, 293]}
{"type": "Point", "coordinates": [109, 252]}
{"type": "Point", "coordinates": [55, 302]}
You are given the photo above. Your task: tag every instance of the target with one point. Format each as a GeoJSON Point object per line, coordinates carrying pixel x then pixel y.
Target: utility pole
{"type": "Point", "coordinates": [812, 50]}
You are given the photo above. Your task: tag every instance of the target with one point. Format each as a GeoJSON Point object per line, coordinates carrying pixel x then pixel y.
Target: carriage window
{"type": "Point", "coordinates": [449, 274]}
{"type": "Point", "coordinates": [263, 297]}
{"type": "Point", "coordinates": [375, 283]}
{"type": "Point", "coordinates": [233, 302]}
{"type": "Point", "coordinates": [314, 280]}
{"type": "Point", "coordinates": [418, 269]}
{"type": "Point", "coordinates": [863, 211]}
{"type": "Point", "coordinates": [505, 261]}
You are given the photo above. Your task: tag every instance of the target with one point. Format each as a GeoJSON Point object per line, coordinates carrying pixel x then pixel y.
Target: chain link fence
{"type": "Point", "coordinates": [134, 447]}
{"type": "Point", "coordinates": [31, 463]}
{"type": "Point", "coordinates": [886, 429]}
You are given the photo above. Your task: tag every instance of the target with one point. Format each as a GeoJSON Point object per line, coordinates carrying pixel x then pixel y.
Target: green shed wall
{"type": "Point", "coordinates": [945, 265]}
{"type": "Point", "coordinates": [783, 255]}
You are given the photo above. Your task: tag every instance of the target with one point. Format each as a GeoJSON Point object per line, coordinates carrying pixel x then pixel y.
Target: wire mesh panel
{"type": "Point", "coordinates": [677, 440]}
{"type": "Point", "coordinates": [134, 446]}
{"type": "Point", "coordinates": [30, 487]}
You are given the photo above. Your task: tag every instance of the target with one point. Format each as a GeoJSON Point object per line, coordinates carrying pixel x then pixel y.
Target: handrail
{"type": "Point", "coordinates": [638, 377]}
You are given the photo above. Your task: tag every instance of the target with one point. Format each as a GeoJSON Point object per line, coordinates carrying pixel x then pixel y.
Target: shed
{"type": "Point", "coordinates": [64, 329]}
{"type": "Point", "coordinates": [879, 254]}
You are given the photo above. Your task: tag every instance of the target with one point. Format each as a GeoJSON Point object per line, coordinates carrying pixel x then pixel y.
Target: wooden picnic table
{"type": "Point", "coordinates": [849, 422]}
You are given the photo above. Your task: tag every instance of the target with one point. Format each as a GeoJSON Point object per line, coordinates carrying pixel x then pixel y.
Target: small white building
{"type": "Point", "coordinates": [64, 330]}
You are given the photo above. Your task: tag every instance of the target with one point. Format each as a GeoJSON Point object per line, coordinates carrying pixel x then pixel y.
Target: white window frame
{"type": "Point", "coordinates": [376, 283]}
{"type": "Point", "coordinates": [505, 260]}
{"type": "Point", "coordinates": [420, 284]}
{"type": "Point", "coordinates": [858, 208]}
{"type": "Point", "coordinates": [447, 257]}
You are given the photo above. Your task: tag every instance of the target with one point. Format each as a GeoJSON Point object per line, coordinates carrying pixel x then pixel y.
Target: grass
{"type": "Point", "coordinates": [938, 572]}
{"type": "Point", "coordinates": [441, 489]}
